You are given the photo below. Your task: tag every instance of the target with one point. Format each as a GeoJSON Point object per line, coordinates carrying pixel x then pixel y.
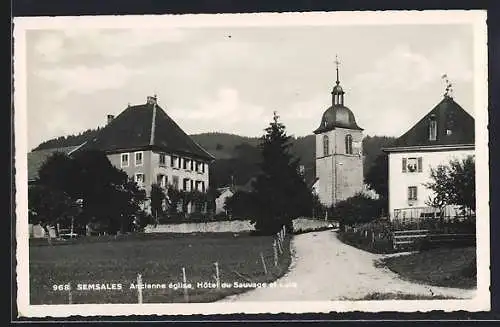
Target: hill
{"type": "Point", "coordinates": [238, 157]}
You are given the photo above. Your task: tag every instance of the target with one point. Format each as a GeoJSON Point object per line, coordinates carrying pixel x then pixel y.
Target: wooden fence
{"type": "Point", "coordinates": [410, 238]}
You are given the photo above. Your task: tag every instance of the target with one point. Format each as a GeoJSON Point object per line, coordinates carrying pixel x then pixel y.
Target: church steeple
{"type": "Point", "coordinates": [337, 92]}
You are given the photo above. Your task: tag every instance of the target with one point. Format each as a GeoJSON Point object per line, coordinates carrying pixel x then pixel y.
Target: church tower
{"type": "Point", "coordinates": [339, 153]}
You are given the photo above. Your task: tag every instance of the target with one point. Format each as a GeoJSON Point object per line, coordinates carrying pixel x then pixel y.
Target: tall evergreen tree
{"type": "Point", "coordinates": [280, 194]}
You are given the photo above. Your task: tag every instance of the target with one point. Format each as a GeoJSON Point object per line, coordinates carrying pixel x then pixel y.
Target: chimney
{"type": "Point", "coordinates": [151, 100]}
{"type": "Point", "coordinates": [110, 118]}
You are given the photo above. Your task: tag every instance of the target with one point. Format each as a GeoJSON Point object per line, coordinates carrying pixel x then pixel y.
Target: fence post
{"type": "Point", "coordinates": [275, 250]}
{"type": "Point", "coordinates": [184, 281]}
{"type": "Point", "coordinates": [70, 295]}
{"type": "Point", "coordinates": [263, 263]}
{"type": "Point", "coordinates": [139, 288]}
{"type": "Point", "coordinates": [217, 276]}
{"type": "Point", "coordinates": [279, 245]}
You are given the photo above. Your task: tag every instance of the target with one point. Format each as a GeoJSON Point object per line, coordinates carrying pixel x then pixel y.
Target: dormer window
{"type": "Point", "coordinates": [432, 128]}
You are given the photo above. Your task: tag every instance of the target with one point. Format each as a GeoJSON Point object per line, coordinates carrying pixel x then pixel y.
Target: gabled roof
{"type": "Point", "coordinates": [449, 116]}
{"type": "Point", "coordinates": [37, 158]}
{"type": "Point", "coordinates": [146, 126]}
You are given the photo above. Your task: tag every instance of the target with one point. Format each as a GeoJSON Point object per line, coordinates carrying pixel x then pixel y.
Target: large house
{"type": "Point", "coordinates": [444, 133]}
{"type": "Point", "coordinates": [339, 153]}
{"type": "Point", "coordinates": [151, 148]}
{"type": "Point", "coordinates": [148, 145]}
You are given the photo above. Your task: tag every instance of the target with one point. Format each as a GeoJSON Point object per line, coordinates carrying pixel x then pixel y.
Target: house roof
{"type": "Point", "coordinates": [454, 127]}
{"type": "Point", "coordinates": [146, 126]}
{"type": "Point", "coordinates": [37, 158]}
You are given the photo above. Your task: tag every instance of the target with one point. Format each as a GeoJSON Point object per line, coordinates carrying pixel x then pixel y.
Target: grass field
{"type": "Point", "coordinates": [448, 267]}
{"type": "Point", "coordinates": [159, 258]}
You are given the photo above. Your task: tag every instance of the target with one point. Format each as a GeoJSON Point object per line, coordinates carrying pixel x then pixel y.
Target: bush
{"type": "Point", "coordinates": [358, 209]}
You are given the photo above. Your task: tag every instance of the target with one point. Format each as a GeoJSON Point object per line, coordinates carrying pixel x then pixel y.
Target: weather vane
{"type": "Point", "coordinates": [337, 63]}
{"type": "Point", "coordinates": [449, 86]}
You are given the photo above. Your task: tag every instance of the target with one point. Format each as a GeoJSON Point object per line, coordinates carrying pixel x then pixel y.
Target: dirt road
{"type": "Point", "coordinates": [325, 269]}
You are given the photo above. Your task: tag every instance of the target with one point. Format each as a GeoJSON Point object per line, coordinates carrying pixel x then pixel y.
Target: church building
{"type": "Point", "coordinates": [339, 153]}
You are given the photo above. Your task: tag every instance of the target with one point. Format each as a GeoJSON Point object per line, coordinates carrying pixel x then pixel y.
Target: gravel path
{"type": "Point", "coordinates": [325, 269]}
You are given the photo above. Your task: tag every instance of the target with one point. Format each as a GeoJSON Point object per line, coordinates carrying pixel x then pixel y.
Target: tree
{"type": "Point", "coordinates": [377, 178]}
{"type": "Point", "coordinates": [49, 206]}
{"type": "Point", "coordinates": [280, 192]}
{"type": "Point", "coordinates": [358, 209]}
{"type": "Point", "coordinates": [454, 184]}
{"type": "Point", "coordinates": [157, 197]}
{"type": "Point", "coordinates": [110, 198]}
{"type": "Point", "coordinates": [241, 205]}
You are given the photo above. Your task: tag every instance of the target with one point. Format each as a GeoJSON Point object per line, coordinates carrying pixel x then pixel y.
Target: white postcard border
{"type": "Point", "coordinates": [477, 19]}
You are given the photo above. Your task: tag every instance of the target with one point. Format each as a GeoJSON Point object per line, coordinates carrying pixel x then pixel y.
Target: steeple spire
{"type": "Point", "coordinates": [337, 92]}
{"type": "Point", "coordinates": [337, 63]}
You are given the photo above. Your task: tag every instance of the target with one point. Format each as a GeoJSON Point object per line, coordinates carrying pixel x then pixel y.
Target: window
{"type": "Point", "coordinates": [325, 145]}
{"type": "Point", "coordinates": [197, 166]}
{"type": "Point", "coordinates": [162, 159]}
{"type": "Point", "coordinates": [348, 144]}
{"type": "Point", "coordinates": [175, 182]}
{"type": "Point", "coordinates": [186, 163]}
{"type": "Point", "coordinates": [173, 161]}
{"type": "Point", "coordinates": [203, 167]}
{"type": "Point", "coordinates": [139, 179]}
{"type": "Point", "coordinates": [138, 159]}
{"type": "Point", "coordinates": [202, 186]}
{"type": "Point", "coordinates": [185, 184]}
{"type": "Point", "coordinates": [412, 193]}
{"type": "Point", "coordinates": [192, 164]}
{"type": "Point", "coordinates": [432, 129]}
{"type": "Point", "coordinates": [412, 165]}
{"type": "Point", "coordinates": [124, 159]}
{"type": "Point", "coordinates": [161, 180]}
{"type": "Point", "coordinates": [191, 185]}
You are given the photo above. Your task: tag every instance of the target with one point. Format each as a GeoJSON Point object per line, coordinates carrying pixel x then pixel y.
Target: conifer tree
{"type": "Point", "coordinates": [280, 194]}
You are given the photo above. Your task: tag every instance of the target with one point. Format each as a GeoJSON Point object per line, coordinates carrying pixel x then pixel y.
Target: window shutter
{"type": "Point", "coordinates": [419, 164]}
{"type": "Point", "coordinates": [404, 165]}
{"type": "Point", "coordinates": [415, 196]}
{"type": "Point", "coordinates": [409, 193]}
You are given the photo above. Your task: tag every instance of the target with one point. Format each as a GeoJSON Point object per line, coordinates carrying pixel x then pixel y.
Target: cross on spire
{"type": "Point", "coordinates": [337, 63]}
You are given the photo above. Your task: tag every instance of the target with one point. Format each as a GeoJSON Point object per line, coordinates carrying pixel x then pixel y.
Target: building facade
{"type": "Point", "coordinates": [443, 134]}
{"type": "Point", "coordinates": [151, 148]}
{"type": "Point", "coordinates": [339, 152]}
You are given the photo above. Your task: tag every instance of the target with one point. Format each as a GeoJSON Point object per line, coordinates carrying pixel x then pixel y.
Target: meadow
{"type": "Point", "coordinates": [115, 262]}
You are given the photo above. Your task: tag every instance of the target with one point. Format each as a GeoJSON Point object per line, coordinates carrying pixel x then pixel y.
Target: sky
{"type": "Point", "coordinates": [231, 78]}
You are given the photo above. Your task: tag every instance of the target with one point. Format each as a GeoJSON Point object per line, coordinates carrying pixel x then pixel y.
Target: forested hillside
{"type": "Point", "coordinates": [238, 157]}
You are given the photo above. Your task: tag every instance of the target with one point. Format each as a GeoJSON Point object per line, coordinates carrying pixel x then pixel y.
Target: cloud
{"type": "Point", "coordinates": [224, 111]}
{"type": "Point", "coordinates": [53, 46]}
{"type": "Point", "coordinates": [86, 80]}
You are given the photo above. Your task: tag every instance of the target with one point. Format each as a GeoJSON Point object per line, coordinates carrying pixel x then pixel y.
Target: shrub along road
{"type": "Point", "coordinates": [325, 269]}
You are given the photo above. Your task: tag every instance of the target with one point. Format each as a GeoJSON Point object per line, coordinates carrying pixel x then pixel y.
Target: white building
{"type": "Point", "coordinates": [339, 152]}
{"type": "Point", "coordinates": [443, 134]}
